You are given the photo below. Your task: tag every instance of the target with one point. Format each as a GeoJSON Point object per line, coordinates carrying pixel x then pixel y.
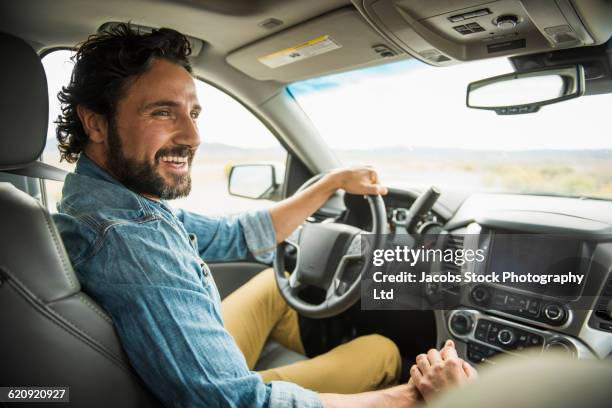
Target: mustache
{"type": "Point", "coordinates": [180, 151]}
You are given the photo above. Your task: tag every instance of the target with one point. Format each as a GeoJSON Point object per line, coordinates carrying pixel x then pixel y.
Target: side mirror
{"type": "Point", "coordinates": [256, 181]}
{"type": "Point", "coordinates": [527, 91]}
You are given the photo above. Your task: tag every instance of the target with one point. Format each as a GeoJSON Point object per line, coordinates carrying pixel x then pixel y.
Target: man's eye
{"type": "Point", "coordinates": [195, 115]}
{"type": "Point", "coordinates": [161, 113]}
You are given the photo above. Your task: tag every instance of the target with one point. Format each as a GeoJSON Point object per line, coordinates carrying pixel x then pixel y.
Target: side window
{"type": "Point", "coordinates": [58, 68]}
{"type": "Point", "coordinates": [230, 134]}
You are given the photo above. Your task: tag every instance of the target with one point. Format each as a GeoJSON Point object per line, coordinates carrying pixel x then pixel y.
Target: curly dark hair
{"type": "Point", "coordinates": [104, 65]}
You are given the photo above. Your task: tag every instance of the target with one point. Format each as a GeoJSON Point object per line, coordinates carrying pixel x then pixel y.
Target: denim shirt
{"type": "Point", "coordinates": [143, 262]}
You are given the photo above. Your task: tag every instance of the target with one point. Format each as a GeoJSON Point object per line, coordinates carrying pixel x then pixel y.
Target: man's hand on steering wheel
{"type": "Point", "coordinates": [362, 180]}
{"type": "Point", "coordinates": [290, 213]}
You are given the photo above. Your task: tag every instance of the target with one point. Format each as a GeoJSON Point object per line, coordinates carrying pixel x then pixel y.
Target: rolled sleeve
{"type": "Point", "coordinates": [233, 237]}
{"type": "Point", "coordinates": [259, 234]}
{"type": "Point", "coordinates": [289, 395]}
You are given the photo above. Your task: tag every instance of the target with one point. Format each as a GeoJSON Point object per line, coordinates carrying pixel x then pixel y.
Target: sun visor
{"type": "Point", "coordinates": [335, 41]}
{"type": "Point", "coordinates": [444, 33]}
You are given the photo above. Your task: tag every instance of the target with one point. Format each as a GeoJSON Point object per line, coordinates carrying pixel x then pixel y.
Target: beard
{"type": "Point", "coordinates": [144, 177]}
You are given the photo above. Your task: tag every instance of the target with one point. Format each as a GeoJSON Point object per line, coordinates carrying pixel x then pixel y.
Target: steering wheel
{"type": "Point", "coordinates": [323, 252]}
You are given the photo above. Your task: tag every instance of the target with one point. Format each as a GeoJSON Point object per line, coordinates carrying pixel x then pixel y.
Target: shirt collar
{"type": "Point", "coordinates": [87, 167]}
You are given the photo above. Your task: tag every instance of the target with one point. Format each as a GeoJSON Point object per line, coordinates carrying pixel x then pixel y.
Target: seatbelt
{"type": "Point", "coordinates": [39, 169]}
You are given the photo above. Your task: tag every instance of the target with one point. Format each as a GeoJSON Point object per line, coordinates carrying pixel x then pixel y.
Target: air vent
{"type": "Point", "coordinates": [453, 243]}
{"type": "Point", "coordinates": [601, 318]}
{"type": "Point", "coordinates": [602, 310]}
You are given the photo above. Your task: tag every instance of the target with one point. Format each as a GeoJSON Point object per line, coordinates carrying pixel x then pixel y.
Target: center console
{"type": "Point", "coordinates": [492, 318]}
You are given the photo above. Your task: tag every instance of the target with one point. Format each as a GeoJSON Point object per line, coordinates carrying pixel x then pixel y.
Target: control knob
{"type": "Point", "coordinates": [506, 22]}
{"type": "Point", "coordinates": [560, 345]}
{"type": "Point", "coordinates": [461, 323]}
{"type": "Point", "coordinates": [554, 312]}
{"type": "Point", "coordinates": [480, 295]}
{"type": "Point", "coordinates": [506, 337]}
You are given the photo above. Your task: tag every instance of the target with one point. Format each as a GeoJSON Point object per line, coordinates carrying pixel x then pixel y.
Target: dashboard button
{"type": "Point", "coordinates": [512, 302]}
{"type": "Point", "coordinates": [561, 345]}
{"type": "Point", "coordinates": [506, 337]}
{"type": "Point", "coordinates": [483, 325]}
{"type": "Point", "coordinates": [480, 335]}
{"type": "Point", "coordinates": [478, 352]}
{"type": "Point", "coordinates": [461, 323]}
{"type": "Point", "coordinates": [481, 330]}
{"type": "Point", "coordinates": [475, 356]}
{"type": "Point", "coordinates": [499, 299]}
{"type": "Point", "coordinates": [554, 312]}
{"type": "Point", "coordinates": [522, 339]}
{"type": "Point", "coordinates": [533, 309]}
{"type": "Point", "coordinates": [492, 336]}
{"type": "Point", "coordinates": [522, 306]}
{"type": "Point", "coordinates": [480, 295]}
{"type": "Point", "coordinates": [535, 340]}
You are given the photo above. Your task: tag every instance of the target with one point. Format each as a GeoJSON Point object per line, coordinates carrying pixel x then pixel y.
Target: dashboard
{"type": "Point", "coordinates": [494, 318]}
{"type": "Point", "coordinates": [487, 319]}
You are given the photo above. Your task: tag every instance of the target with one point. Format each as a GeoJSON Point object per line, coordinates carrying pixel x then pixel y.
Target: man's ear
{"type": "Point", "coordinates": [94, 124]}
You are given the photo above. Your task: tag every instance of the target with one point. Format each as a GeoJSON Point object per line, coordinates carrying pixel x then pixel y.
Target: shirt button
{"type": "Point", "coordinates": [204, 268]}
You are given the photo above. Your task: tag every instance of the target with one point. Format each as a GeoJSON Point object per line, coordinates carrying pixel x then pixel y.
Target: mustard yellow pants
{"type": "Point", "coordinates": [257, 311]}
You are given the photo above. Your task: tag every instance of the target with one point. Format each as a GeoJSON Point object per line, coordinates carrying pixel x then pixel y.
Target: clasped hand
{"type": "Point", "coordinates": [439, 370]}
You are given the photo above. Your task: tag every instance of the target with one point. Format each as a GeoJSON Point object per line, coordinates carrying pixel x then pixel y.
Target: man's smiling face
{"type": "Point", "coordinates": [153, 137]}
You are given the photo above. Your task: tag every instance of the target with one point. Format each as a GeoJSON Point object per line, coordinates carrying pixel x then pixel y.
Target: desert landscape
{"type": "Point", "coordinates": [575, 173]}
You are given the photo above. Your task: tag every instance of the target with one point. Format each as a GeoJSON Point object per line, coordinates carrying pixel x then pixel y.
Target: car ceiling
{"type": "Point", "coordinates": [225, 25]}
{"type": "Point", "coordinates": [368, 32]}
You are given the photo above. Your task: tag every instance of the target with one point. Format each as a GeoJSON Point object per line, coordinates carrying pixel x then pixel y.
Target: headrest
{"type": "Point", "coordinates": [24, 104]}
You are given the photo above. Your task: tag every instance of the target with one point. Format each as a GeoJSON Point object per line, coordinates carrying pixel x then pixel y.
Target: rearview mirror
{"type": "Point", "coordinates": [527, 91]}
{"type": "Point", "coordinates": [256, 181]}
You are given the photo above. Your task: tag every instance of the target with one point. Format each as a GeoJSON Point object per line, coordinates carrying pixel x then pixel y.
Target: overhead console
{"type": "Point", "coordinates": [446, 32]}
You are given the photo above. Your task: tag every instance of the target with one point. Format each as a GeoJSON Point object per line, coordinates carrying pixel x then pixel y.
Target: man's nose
{"type": "Point", "coordinates": [188, 133]}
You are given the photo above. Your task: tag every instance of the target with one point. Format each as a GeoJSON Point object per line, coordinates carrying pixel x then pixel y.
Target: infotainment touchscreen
{"type": "Point", "coordinates": [537, 254]}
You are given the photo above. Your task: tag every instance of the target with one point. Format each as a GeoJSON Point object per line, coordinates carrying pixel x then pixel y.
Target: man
{"type": "Point", "coordinates": [129, 121]}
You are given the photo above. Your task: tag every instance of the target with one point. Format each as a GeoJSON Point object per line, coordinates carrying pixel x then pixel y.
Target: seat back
{"type": "Point", "coordinates": [52, 333]}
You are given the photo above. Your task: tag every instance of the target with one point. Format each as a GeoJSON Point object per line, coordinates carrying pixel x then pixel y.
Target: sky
{"type": "Point", "coordinates": [408, 104]}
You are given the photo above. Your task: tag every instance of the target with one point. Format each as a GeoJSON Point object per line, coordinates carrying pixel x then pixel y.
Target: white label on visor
{"type": "Point", "coordinates": [319, 45]}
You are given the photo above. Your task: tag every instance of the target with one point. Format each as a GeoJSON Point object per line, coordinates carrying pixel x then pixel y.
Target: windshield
{"type": "Point", "coordinates": [410, 121]}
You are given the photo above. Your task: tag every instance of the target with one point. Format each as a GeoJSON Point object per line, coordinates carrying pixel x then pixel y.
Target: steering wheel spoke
{"type": "Point", "coordinates": [337, 285]}
{"type": "Point", "coordinates": [295, 285]}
